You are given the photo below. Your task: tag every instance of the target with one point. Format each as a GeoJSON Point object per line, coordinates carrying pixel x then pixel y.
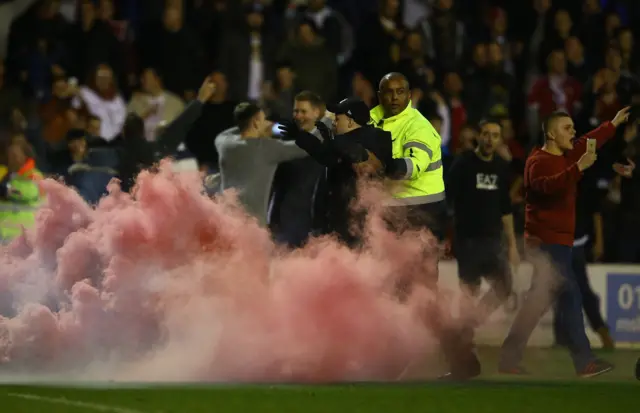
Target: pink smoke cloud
{"type": "Point", "coordinates": [172, 285]}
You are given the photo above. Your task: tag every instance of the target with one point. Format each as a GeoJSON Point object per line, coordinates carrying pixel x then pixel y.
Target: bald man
{"type": "Point", "coordinates": [420, 199]}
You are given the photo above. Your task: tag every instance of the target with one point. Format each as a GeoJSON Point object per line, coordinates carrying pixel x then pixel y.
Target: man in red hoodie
{"type": "Point", "coordinates": [550, 182]}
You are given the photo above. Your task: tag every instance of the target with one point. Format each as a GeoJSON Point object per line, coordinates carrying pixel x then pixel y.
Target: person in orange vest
{"type": "Point", "coordinates": [20, 194]}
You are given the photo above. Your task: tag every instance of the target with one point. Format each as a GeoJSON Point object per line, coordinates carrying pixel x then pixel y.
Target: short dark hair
{"type": "Point", "coordinates": [546, 124]}
{"type": "Point", "coordinates": [244, 113]}
{"type": "Point", "coordinates": [489, 121]}
{"type": "Point", "coordinates": [133, 128]}
{"type": "Point", "coordinates": [313, 98]}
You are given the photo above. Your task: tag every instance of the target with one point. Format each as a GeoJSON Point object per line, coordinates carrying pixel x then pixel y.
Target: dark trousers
{"type": "Point", "coordinates": [456, 345]}
{"type": "Point", "coordinates": [590, 301]}
{"type": "Point", "coordinates": [546, 290]}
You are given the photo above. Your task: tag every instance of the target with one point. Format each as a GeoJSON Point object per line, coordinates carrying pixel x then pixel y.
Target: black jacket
{"type": "Point", "coordinates": [136, 153]}
{"type": "Point", "coordinates": [339, 155]}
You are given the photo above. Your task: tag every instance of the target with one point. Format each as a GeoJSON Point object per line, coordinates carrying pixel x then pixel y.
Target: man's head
{"type": "Point", "coordinates": [222, 86]}
{"type": "Point", "coordinates": [625, 39]}
{"type": "Point", "coordinates": [490, 137]}
{"type": "Point", "coordinates": [76, 143]}
{"type": "Point", "coordinates": [468, 138]}
{"type": "Point", "coordinates": [444, 5]}
{"type": "Point", "coordinates": [285, 75]}
{"type": "Point", "coordinates": [613, 59]}
{"type": "Point", "coordinates": [495, 54]}
{"type": "Point", "coordinates": [559, 131]}
{"type": "Point", "coordinates": [394, 94]}
{"type": "Point", "coordinates": [557, 63]}
{"type": "Point", "coordinates": [351, 114]}
{"type": "Point", "coordinates": [480, 54]}
{"type": "Point", "coordinates": [251, 120]}
{"type": "Point", "coordinates": [18, 151]}
{"type": "Point", "coordinates": [150, 80]}
{"type": "Point", "coordinates": [255, 18]}
{"type": "Point", "coordinates": [307, 32]}
{"type": "Point", "coordinates": [574, 49]}
{"type": "Point", "coordinates": [308, 108]}
{"type": "Point", "coordinates": [389, 8]}
{"type": "Point", "coordinates": [172, 19]}
{"type": "Point", "coordinates": [563, 23]}
{"type": "Point", "coordinates": [453, 84]}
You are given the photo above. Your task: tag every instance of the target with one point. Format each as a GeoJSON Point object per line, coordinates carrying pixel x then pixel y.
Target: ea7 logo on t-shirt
{"type": "Point", "coordinates": [487, 182]}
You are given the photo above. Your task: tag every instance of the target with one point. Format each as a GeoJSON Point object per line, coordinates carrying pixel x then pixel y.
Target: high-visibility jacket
{"type": "Point", "coordinates": [18, 208]}
{"type": "Point", "coordinates": [416, 142]}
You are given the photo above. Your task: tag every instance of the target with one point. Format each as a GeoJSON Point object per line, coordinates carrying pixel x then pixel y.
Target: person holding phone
{"type": "Point", "coordinates": [551, 177]}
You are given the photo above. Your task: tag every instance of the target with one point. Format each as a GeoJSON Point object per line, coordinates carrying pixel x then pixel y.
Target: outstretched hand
{"type": "Point", "coordinates": [622, 116]}
{"type": "Point", "coordinates": [207, 90]}
{"type": "Point", "coordinates": [623, 170]}
{"type": "Point", "coordinates": [289, 130]}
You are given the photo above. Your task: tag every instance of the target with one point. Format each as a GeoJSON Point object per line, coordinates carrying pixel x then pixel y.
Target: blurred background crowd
{"type": "Point", "coordinates": [72, 71]}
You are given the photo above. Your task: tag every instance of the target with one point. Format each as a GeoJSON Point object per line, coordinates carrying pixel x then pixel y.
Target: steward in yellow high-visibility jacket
{"type": "Point", "coordinates": [20, 198]}
{"type": "Point", "coordinates": [417, 164]}
{"type": "Point", "coordinates": [416, 150]}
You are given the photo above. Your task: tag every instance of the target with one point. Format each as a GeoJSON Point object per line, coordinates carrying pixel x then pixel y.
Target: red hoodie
{"type": "Point", "coordinates": [550, 184]}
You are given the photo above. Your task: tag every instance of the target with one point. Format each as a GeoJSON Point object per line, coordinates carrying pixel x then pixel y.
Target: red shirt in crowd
{"type": "Point", "coordinates": [548, 97]}
{"type": "Point", "coordinates": [550, 183]}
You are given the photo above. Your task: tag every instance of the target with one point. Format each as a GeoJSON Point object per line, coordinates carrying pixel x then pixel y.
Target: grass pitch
{"type": "Point", "coordinates": [553, 387]}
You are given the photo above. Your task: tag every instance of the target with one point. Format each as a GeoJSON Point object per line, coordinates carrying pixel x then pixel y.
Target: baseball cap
{"type": "Point", "coordinates": [354, 108]}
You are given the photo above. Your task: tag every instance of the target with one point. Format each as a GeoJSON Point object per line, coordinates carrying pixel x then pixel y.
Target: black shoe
{"type": "Point", "coordinates": [638, 369]}
{"type": "Point", "coordinates": [464, 368]}
{"type": "Point", "coordinates": [596, 368]}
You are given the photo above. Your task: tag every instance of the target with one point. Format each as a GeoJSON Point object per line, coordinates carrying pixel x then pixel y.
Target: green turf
{"type": "Point", "coordinates": [552, 388]}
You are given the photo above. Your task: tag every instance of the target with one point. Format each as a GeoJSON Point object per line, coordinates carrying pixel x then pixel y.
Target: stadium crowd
{"type": "Point", "coordinates": [80, 78]}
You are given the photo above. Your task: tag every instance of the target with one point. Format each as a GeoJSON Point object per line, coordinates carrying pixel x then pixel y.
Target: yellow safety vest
{"type": "Point", "coordinates": [417, 142]}
{"type": "Point", "coordinates": [18, 210]}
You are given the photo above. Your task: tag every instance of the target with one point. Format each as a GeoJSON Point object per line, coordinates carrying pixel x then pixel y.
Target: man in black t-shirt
{"type": "Point", "coordinates": [484, 238]}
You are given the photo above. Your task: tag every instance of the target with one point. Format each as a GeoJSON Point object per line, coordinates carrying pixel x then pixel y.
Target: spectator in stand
{"type": "Point", "coordinates": [467, 140]}
{"type": "Point", "coordinates": [593, 32]}
{"type": "Point", "coordinates": [444, 35]}
{"type": "Point", "coordinates": [54, 113]}
{"type": "Point", "coordinates": [576, 61]}
{"type": "Point", "coordinates": [628, 51]}
{"type": "Point", "coordinates": [175, 50]}
{"type": "Point", "coordinates": [93, 43]}
{"type": "Point", "coordinates": [555, 39]}
{"type": "Point", "coordinates": [278, 97]}
{"type": "Point", "coordinates": [332, 27]}
{"type": "Point", "coordinates": [454, 88]}
{"type": "Point", "coordinates": [247, 56]}
{"type": "Point", "coordinates": [498, 26]}
{"type": "Point", "coordinates": [556, 91]}
{"type": "Point", "coordinates": [154, 104]}
{"type": "Point", "coordinates": [101, 97]}
{"type": "Point", "coordinates": [500, 88]}
{"type": "Point", "coordinates": [415, 64]}
{"type": "Point", "coordinates": [379, 38]}
{"type": "Point", "coordinates": [475, 83]}
{"type": "Point", "coordinates": [603, 99]}
{"type": "Point", "coordinates": [313, 61]}
{"type": "Point", "coordinates": [217, 116]}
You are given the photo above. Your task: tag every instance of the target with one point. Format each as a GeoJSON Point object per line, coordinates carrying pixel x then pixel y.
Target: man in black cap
{"type": "Point", "coordinates": [356, 149]}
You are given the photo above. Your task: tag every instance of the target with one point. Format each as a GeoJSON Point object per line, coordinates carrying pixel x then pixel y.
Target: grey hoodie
{"type": "Point", "coordinates": [249, 165]}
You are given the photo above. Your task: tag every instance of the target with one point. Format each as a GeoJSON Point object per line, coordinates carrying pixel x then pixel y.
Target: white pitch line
{"type": "Point", "coordinates": [74, 403]}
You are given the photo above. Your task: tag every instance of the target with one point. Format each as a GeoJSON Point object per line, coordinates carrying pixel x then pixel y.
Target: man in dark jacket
{"type": "Point", "coordinates": [137, 153]}
{"type": "Point", "coordinates": [356, 148]}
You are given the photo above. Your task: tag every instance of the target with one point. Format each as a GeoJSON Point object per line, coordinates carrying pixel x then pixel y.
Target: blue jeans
{"type": "Point", "coordinates": [567, 301]}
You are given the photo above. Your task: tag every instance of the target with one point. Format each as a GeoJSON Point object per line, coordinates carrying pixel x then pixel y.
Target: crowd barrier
{"type": "Point", "coordinates": [618, 287]}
